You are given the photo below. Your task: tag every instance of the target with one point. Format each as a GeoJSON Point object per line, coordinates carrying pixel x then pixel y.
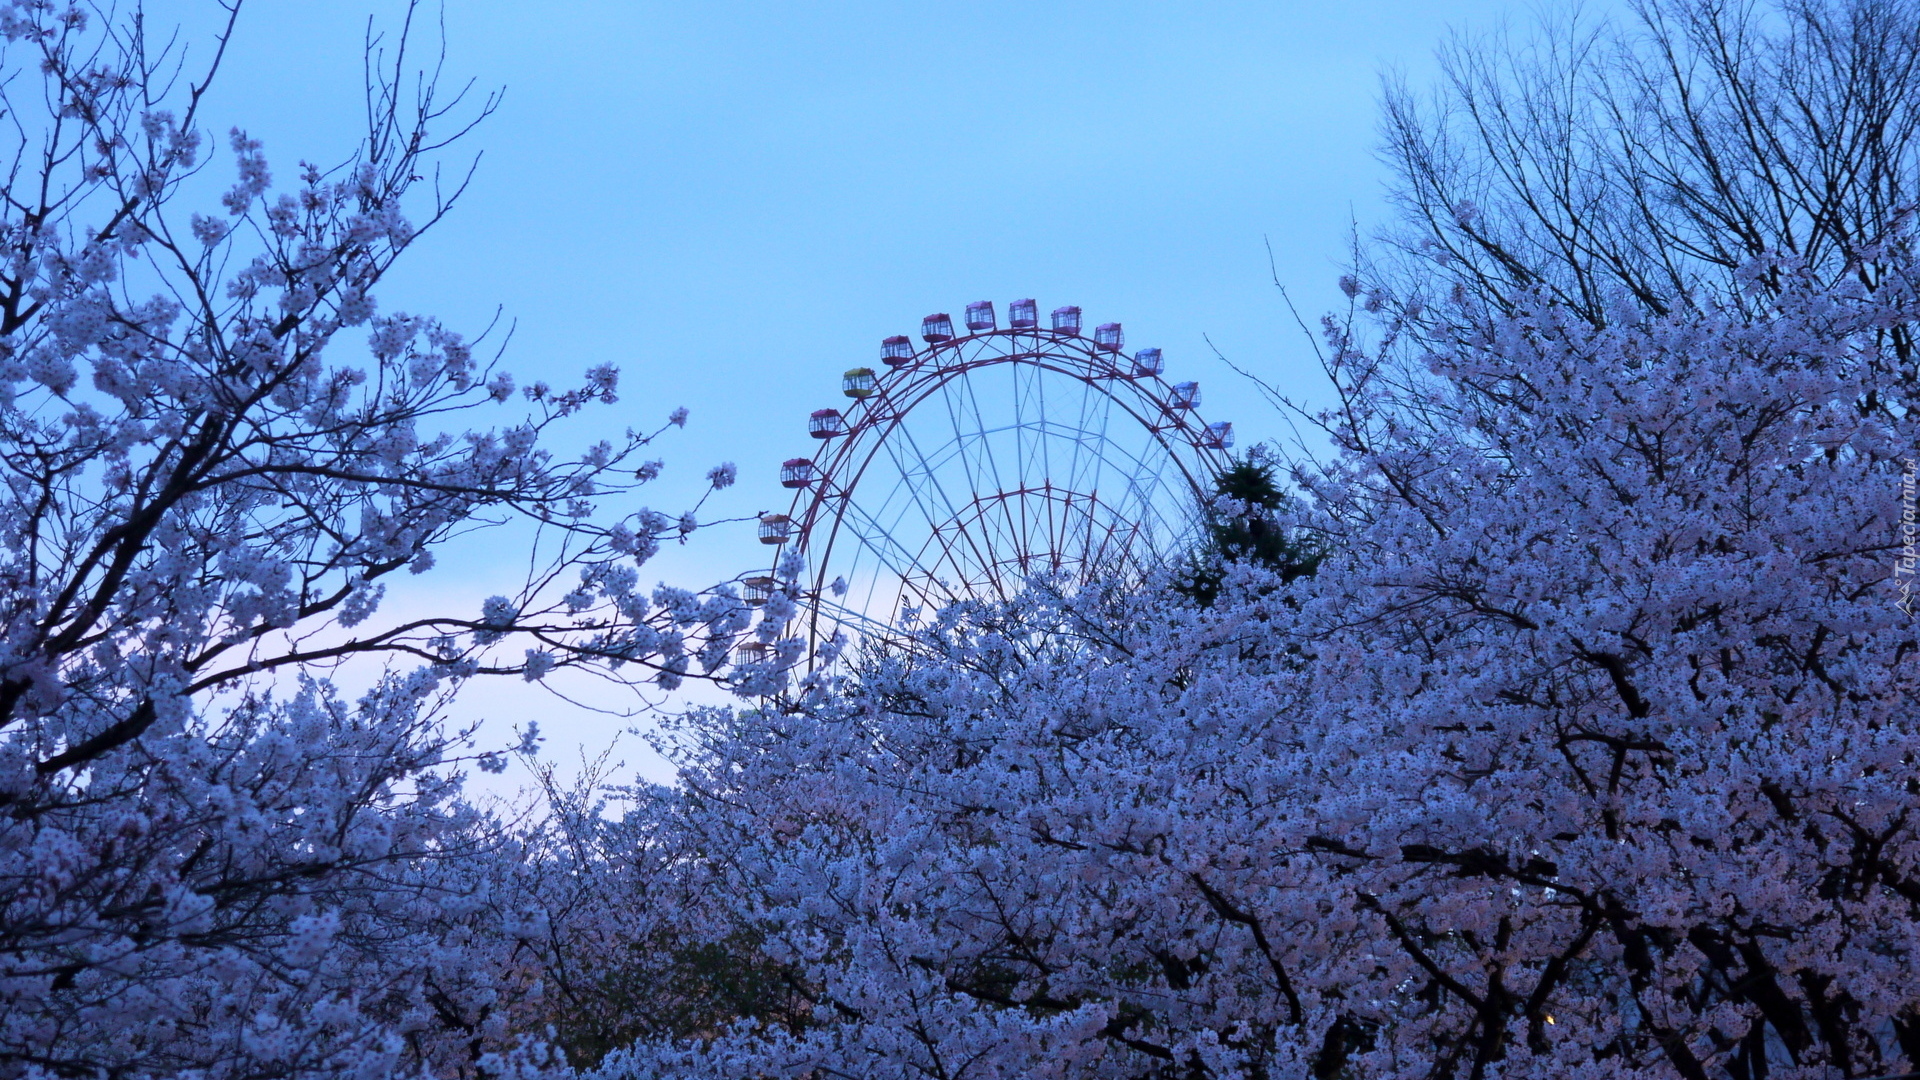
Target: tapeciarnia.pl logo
{"type": "Point", "coordinates": [1904, 563]}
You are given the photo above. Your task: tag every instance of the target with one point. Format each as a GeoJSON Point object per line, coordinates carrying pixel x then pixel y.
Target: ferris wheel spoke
{"type": "Point", "coordinates": [977, 443]}
{"type": "Point", "coordinates": [877, 539]}
{"type": "Point", "coordinates": [968, 439]}
{"type": "Point", "coordinates": [1030, 438]}
{"type": "Point", "coordinates": [965, 443]}
{"type": "Point", "coordinates": [955, 512]}
{"type": "Point", "coordinates": [1017, 530]}
{"type": "Point", "coordinates": [974, 450]}
{"type": "Point", "coordinates": [921, 475]}
{"type": "Point", "coordinates": [1103, 404]}
{"type": "Point", "coordinates": [1037, 387]}
{"type": "Point", "coordinates": [940, 568]}
{"type": "Point", "coordinates": [990, 455]}
{"type": "Point", "coordinates": [992, 462]}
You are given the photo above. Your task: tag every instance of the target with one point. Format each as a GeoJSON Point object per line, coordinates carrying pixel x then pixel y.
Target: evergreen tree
{"type": "Point", "coordinates": [1243, 526]}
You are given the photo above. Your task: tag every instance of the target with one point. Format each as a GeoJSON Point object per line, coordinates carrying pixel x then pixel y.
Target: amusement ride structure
{"type": "Point", "coordinates": [988, 455]}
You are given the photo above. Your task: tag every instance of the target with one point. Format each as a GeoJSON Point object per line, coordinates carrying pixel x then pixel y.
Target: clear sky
{"type": "Point", "coordinates": [736, 201]}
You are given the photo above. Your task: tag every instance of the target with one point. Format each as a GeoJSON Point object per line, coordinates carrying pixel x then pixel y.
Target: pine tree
{"type": "Point", "coordinates": [1243, 527]}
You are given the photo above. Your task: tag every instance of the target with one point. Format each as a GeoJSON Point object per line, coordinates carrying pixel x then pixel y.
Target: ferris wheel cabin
{"type": "Point", "coordinates": [775, 528]}
{"type": "Point", "coordinates": [858, 383]}
{"type": "Point", "coordinates": [826, 423]}
{"type": "Point", "coordinates": [797, 472]}
{"type": "Point", "coordinates": [757, 590]}
{"type": "Point", "coordinates": [897, 351]}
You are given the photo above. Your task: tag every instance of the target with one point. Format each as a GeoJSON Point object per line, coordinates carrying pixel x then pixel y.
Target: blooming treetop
{"type": "Point", "coordinates": [217, 448]}
{"type": "Point", "coordinates": [1587, 752]}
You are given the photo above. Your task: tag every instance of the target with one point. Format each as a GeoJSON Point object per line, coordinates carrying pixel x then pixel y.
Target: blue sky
{"type": "Point", "coordinates": [736, 201]}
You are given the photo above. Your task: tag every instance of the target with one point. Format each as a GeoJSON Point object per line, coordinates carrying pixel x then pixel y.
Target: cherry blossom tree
{"type": "Point", "coordinates": [217, 451]}
{"type": "Point", "coordinates": [632, 945]}
{"type": "Point", "coordinates": [1655, 155]}
{"type": "Point", "coordinates": [1587, 751]}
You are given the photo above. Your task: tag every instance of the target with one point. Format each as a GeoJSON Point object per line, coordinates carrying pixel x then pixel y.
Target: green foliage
{"type": "Point", "coordinates": [1249, 532]}
{"type": "Point", "coordinates": [674, 991]}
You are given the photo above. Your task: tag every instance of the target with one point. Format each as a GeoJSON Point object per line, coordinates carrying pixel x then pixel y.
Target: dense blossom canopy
{"type": "Point", "coordinates": [215, 449]}
{"type": "Point", "coordinates": [1588, 751]}
{"type": "Point", "coordinates": [1558, 723]}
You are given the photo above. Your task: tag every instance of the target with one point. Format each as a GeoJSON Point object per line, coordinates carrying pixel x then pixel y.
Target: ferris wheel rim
{"type": "Point", "coordinates": [817, 495]}
{"type": "Point", "coordinates": [876, 420]}
{"type": "Point", "coordinates": [834, 505]}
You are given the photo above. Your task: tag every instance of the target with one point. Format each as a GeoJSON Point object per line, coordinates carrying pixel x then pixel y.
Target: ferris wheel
{"type": "Point", "coordinates": [967, 466]}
